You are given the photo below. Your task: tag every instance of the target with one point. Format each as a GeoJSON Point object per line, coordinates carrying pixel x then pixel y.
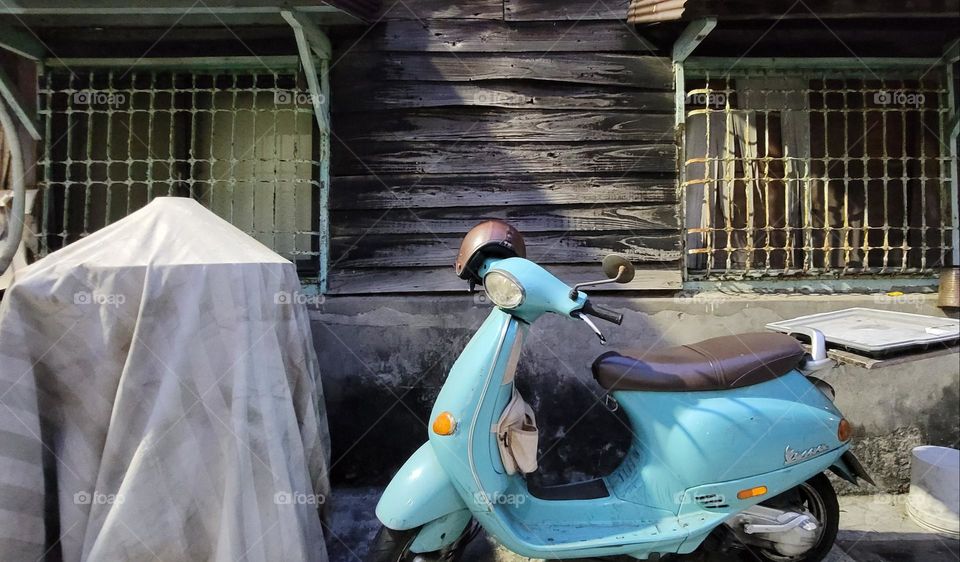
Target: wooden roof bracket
{"type": "Point", "coordinates": [691, 37]}
{"type": "Point", "coordinates": [9, 93]}
{"type": "Point", "coordinates": [21, 43]}
{"type": "Point", "coordinates": [951, 53]}
{"type": "Point", "coordinates": [311, 40]}
{"type": "Point", "coordinates": [694, 34]}
{"type": "Point", "coordinates": [29, 47]}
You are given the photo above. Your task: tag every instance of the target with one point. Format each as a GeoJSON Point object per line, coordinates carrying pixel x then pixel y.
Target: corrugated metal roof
{"type": "Point", "coordinates": [649, 11]}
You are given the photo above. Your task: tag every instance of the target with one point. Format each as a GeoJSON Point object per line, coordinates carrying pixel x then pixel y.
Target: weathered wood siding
{"type": "Point", "coordinates": [446, 114]}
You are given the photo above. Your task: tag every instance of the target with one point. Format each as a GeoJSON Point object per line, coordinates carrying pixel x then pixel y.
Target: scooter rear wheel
{"type": "Point", "coordinates": [818, 498]}
{"type": "Point", "coordinates": [394, 546]}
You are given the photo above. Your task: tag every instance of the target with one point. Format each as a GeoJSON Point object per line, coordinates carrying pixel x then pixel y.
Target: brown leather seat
{"type": "Point", "coordinates": [715, 364]}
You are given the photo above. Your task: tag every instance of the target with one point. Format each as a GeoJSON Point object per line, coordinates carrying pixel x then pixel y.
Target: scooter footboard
{"type": "Point", "coordinates": [420, 493]}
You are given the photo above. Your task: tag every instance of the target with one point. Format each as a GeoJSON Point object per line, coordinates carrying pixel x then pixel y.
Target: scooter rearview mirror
{"type": "Point", "coordinates": [618, 268]}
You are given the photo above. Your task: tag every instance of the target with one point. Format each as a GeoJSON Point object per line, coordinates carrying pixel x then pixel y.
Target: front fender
{"type": "Point", "coordinates": [419, 493]}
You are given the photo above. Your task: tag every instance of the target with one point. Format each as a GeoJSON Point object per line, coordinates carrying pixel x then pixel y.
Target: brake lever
{"type": "Point", "coordinates": [603, 340]}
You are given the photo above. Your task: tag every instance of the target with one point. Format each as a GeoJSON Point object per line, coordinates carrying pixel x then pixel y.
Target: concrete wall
{"type": "Point", "coordinates": [385, 358]}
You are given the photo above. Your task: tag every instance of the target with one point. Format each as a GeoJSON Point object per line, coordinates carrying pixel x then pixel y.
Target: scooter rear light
{"type": "Point", "coordinates": [844, 431]}
{"type": "Point", "coordinates": [445, 424]}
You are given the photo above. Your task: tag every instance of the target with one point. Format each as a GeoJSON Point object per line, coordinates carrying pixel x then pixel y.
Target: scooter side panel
{"type": "Point", "coordinates": [688, 439]}
{"type": "Point", "coordinates": [722, 496]}
{"type": "Point", "coordinates": [419, 493]}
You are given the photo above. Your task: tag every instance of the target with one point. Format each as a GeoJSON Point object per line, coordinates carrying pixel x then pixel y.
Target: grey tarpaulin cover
{"type": "Point", "coordinates": [160, 399]}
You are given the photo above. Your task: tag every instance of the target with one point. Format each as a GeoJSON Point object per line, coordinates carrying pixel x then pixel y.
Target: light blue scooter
{"type": "Point", "coordinates": [731, 441]}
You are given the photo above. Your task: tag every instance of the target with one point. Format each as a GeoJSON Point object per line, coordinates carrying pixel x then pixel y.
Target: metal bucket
{"type": "Point", "coordinates": [949, 288]}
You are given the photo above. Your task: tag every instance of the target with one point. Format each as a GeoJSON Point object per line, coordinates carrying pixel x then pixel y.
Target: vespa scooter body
{"type": "Point", "coordinates": [692, 455]}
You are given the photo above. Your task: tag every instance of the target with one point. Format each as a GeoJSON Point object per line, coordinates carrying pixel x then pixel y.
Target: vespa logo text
{"type": "Point", "coordinates": [790, 456]}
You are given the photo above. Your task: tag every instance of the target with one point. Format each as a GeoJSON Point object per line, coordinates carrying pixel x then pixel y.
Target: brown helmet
{"type": "Point", "coordinates": [493, 238]}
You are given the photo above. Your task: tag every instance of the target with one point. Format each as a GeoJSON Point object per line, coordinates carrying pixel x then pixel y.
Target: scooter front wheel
{"type": "Point", "coordinates": [394, 546]}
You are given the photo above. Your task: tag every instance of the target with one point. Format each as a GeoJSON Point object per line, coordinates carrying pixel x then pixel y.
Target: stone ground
{"type": "Point", "coordinates": [872, 529]}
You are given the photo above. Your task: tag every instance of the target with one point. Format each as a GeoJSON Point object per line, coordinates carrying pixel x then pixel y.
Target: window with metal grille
{"type": "Point", "coordinates": [816, 172]}
{"type": "Point", "coordinates": [240, 141]}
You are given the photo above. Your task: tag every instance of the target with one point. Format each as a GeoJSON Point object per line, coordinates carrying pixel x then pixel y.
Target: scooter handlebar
{"type": "Point", "coordinates": [602, 313]}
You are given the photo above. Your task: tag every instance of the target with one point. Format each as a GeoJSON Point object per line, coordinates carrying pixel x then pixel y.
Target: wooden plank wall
{"type": "Point", "coordinates": [447, 113]}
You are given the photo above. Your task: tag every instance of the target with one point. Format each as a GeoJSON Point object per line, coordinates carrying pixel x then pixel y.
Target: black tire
{"type": "Point", "coordinates": [818, 497]}
{"type": "Point", "coordinates": [394, 546]}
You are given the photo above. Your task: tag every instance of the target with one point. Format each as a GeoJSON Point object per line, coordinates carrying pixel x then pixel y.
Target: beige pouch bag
{"type": "Point", "coordinates": [517, 436]}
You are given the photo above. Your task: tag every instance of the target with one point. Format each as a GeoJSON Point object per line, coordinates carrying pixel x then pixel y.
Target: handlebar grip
{"type": "Point", "coordinates": [603, 313]}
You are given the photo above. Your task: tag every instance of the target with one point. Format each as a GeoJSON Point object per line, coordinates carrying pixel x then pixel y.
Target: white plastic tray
{"type": "Point", "coordinates": [875, 331]}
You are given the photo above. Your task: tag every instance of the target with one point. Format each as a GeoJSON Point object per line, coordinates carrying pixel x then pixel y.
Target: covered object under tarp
{"type": "Point", "coordinates": [160, 399]}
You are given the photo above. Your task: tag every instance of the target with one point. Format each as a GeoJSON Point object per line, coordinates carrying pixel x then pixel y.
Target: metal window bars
{"type": "Point", "coordinates": [239, 140]}
{"type": "Point", "coordinates": [810, 172]}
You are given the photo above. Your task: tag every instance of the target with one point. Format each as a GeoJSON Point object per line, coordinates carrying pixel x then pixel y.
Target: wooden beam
{"type": "Point", "coordinates": [443, 9]}
{"type": "Point", "coordinates": [691, 37]}
{"type": "Point", "coordinates": [12, 98]}
{"type": "Point", "coordinates": [311, 40]}
{"type": "Point", "coordinates": [453, 220]}
{"type": "Point", "coordinates": [570, 10]}
{"type": "Point", "coordinates": [527, 94]}
{"type": "Point", "coordinates": [413, 191]}
{"type": "Point", "coordinates": [505, 157]}
{"type": "Point", "coordinates": [489, 36]}
{"type": "Point", "coordinates": [495, 124]}
{"type": "Point", "coordinates": [650, 73]}
{"type": "Point", "coordinates": [21, 43]}
{"type": "Point", "coordinates": [425, 250]}
{"type": "Point", "coordinates": [318, 41]}
{"type": "Point", "coordinates": [443, 280]}
{"type": "Point", "coordinates": [310, 70]}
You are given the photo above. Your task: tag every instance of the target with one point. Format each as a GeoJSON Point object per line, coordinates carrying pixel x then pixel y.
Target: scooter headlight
{"type": "Point", "coordinates": [503, 290]}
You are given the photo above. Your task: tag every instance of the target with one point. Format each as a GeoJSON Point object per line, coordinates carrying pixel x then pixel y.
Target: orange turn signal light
{"type": "Point", "coordinates": [844, 431]}
{"type": "Point", "coordinates": [445, 424]}
{"type": "Point", "coordinates": [751, 492]}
